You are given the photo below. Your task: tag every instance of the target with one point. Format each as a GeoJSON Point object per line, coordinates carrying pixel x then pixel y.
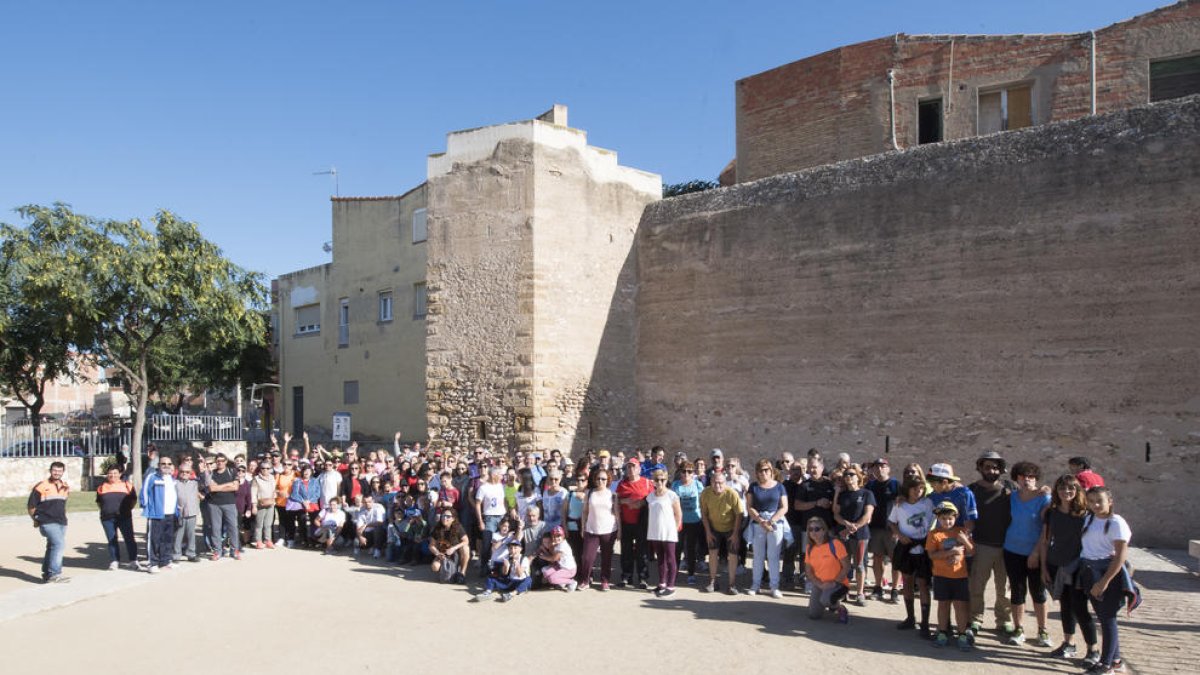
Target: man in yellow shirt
{"type": "Point", "coordinates": [721, 512]}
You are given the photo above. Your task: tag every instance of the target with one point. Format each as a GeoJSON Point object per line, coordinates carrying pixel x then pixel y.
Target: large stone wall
{"type": "Point", "coordinates": [1034, 292]}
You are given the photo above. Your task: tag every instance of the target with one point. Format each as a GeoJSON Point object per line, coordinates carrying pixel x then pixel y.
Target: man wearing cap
{"type": "Point", "coordinates": [631, 494]}
{"type": "Point", "coordinates": [716, 463]}
{"type": "Point", "coordinates": [886, 489]}
{"type": "Point", "coordinates": [992, 494]}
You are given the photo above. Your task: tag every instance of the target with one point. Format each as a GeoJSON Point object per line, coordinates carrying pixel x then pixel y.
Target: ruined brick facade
{"type": "Point", "coordinates": [840, 104]}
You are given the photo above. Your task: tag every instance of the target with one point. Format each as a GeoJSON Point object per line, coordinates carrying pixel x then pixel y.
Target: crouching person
{"type": "Point", "coordinates": [511, 576]}
{"type": "Point", "coordinates": [827, 568]}
{"type": "Point", "coordinates": [330, 523]}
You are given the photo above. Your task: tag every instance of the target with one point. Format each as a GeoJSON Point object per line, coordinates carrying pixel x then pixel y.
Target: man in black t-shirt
{"type": "Point", "coordinates": [886, 489]}
{"type": "Point", "coordinates": [814, 498]}
{"type": "Point", "coordinates": [992, 500]}
{"type": "Point", "coordinates": [222, 484]}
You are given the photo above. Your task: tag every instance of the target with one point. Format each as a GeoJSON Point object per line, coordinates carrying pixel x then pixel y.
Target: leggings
{"type": "Point", "coordinates": [287, 522]}
{"type": "Point", "coordinates": [592, 542]}
{"type": "Point", "coordinates": [692, 545]}
{"type": "Point", "coordinates": [1022, 578]}
{"type": "Point", "coordinates": [1073, 606]}
{"type": "Point", "coordinates": [668, 568]}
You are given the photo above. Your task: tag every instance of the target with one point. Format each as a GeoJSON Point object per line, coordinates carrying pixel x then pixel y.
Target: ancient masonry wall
{"type": "Point", "coordinates": [479, 326]}
{"type": "Point", "coordinates": [1034, 292]}
{"type": "Point", "coordinates": [585, 286]}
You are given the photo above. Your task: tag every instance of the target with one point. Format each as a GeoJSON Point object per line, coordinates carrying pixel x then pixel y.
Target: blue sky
{"type": "Point", "coordinates": [222, 111]}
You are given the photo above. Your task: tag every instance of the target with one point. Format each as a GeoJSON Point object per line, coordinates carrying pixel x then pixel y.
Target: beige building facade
{"type": "Point", "coordinates": [351, 333]}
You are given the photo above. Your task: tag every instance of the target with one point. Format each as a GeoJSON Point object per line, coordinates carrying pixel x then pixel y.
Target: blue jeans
{"type": "Point", "coordinates": [768, 547]}
{"type": "Point", "coordinates": [56, 535]}
{"type": "Point", "coordinates": [487, 531]}
{"type": "Point", "coordinates": [124, 526]}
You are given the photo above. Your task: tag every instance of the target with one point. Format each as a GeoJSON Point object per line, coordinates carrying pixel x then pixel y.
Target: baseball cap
{"type": "Point", "coordinates": [716, 452]}
{"type": "Point", "coordinates": [632, 461]}
{"type": "Point", "coordinates": [602, 453]}
{"type": "Point", "coordinates": [942, 471]}
{"type": "Point", "coordinates": [946, 507]}
{"type": "Point", "coordinates": [881, 460]}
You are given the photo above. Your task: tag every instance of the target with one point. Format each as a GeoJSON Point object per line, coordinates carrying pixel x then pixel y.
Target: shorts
{"type": "Point", "coordinates": [881, 543]}
{"type": "Point", "coordinates": [911, 564]}
{"type": "Point", "coordinates": [722, 541]}
{"type": "Point", "coordinates": [954, 590]}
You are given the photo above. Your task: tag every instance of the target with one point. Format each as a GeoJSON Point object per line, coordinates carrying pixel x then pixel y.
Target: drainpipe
{"type": "Point", "coordinates": [891, 76]}
{"type": "Point", "coordinates": [1093, 34]}
{"type": "Point", "coordinates": [949, 88]}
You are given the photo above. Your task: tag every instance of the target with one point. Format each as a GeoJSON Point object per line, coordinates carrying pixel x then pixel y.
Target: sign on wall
{"type": "Point", "coordinates": [341, 426]}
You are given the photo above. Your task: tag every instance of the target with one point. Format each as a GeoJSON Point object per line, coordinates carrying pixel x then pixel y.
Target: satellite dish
{"type": "Point", "coordinates": [327, 247]}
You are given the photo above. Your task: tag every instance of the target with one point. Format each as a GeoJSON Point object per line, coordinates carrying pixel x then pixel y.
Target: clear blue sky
{"type": "Point", "coordinates": [221, 111]}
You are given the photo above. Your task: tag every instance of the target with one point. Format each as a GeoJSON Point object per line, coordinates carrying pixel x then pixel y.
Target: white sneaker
{"type": "Point", "coordinates": [776, 593]}
{"type": "Point", "coordinates": [571, 586]}
{"type": "Point", "coordinates": [134, 565]}
{"type": "Point", "coordinates": [114, 566]}
{"type": "Point", "coordinates": [290, 543]}
{"type": "Point", "coordinates": [152, 569]}
{"type": "Point", "coordinates": [280, 542]}
{"type": "Point", "coordinates": [374, 553]}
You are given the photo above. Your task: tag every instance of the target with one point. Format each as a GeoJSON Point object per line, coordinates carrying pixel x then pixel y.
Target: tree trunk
{"type": "Point", "coordinates": [35, 421]}
{"type": "Point", "coordinates": [139, 422]}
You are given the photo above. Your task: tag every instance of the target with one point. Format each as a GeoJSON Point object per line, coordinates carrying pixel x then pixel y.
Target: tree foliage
{"type": "Point", "coordinates": [676, 189]}
{"type": "Point", "coordinates": [147, 301]}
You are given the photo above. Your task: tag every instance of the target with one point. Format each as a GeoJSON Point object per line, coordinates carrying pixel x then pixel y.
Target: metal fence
{"type": "Point", "coordinates": [194, 428]}
{"type": "Point", "coordinates": [58, 440]}
{"type": "Point", "coordinates": [105, 437]}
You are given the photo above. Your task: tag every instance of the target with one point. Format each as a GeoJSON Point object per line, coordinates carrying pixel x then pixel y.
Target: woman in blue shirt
{"type": "Point", "coordinates": [767, 505]}
{"type": "Point", "coordinates": [692, 537]}
{"type": "Point", "coordinates": [1028, 507]}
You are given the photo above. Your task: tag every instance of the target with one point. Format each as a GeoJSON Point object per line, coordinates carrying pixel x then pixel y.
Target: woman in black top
{"type": "Point", "coordinates": [852, 511]}
{"type": "Point", "coordinates": [1062, 537]}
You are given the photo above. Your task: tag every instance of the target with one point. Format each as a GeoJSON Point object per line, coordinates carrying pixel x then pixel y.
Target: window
{"type": "Point", "coordinates": [344, 322]}
{"type": "Point", "coordinates": [350, 392]}
{"type": "Point", "coordinates": [929, 121]}
{"type": "Point", "coordinates": [420, 230]}
{"type": "Point", "coordinates": [419, 301]}
{"type": "Point", "coordinates": [1005, 109]}
{"type": "Point", "coordinates": [308, 319]}
{"type": "Point", "coordinates": [385, 306]}
{"type": "Point", "coordinates": [1175, 78]}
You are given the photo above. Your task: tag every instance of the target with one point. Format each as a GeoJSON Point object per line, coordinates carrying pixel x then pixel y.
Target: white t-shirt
{"type": "Point", "coordinates": [567, 559]}
{"type": "Point", "coordinates": [1096, 544]}
{"type": "Point", "coordinates": [523, 503]}
{"type": "Point", "coordinates": [491, 498]}
{"type": "Point", "coordinates": [600, 518]}
{"type": "Point", "coordinates": [331, 485]}
{"type": "Point", "coordinates": [332, 518]}
{"type": "Point", "coordinates": [366, 516]}
{"type": "Point", "coordinates": [913, 521]}
{"type": "Point", "coordinates": [661, 525]}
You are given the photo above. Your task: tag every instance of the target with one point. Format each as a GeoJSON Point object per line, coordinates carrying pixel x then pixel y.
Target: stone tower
{"type": "Point", "coordinates": [531, 285]}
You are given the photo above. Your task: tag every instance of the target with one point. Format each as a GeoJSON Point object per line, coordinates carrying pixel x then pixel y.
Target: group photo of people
{"type": "Point", "coordinates": [842, 533]}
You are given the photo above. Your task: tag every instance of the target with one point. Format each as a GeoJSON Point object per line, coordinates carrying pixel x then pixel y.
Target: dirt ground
{"type": "Point", "coordinates": [276, 611]}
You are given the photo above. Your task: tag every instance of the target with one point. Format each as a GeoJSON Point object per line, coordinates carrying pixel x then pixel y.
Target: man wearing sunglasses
{"type": "Point", "coordinates": [160, 505]}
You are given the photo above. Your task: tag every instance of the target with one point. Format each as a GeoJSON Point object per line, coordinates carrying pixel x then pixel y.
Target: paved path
{"type": "Point", "coordinates": [375, 617]}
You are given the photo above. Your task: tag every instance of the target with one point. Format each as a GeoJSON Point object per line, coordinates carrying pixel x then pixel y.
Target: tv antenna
{"type": "Point", "coordinates": [331, 172]}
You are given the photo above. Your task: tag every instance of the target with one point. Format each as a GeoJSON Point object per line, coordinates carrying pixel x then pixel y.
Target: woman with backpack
{"type": "Point", "coordinates": [1062, 541]}
{"type": "Point", "coordinates": [1103, 575]}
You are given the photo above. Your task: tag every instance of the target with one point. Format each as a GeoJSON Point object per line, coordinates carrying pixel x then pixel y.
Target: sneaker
{"type": "Point", "coordinates": [280, 542]}
{"type": "Point", "coordinates": [270, 545]}
{"type": "Point", "coordinates": [504, 597]}
{"type": "Point", "coordinates": [711, 587]}
{"type": "Point", "coordinates": [114, 566]}
{"type": "Point", "coordinates": [753, 590]}
{"type": "Point", "coordinates": [731, 591]}
{"type": "Point", "coordinates": [924, 633]}
{"type": "Point", "coordinates": [58, 579]}
{"type": "Point", "coordinates": [941, 640]}
{"type": "Point", "coordinates": [153, 569]}
{"type": "Point", "coordinates": [1016, 638]}
{"type": "Point", "coordinates": [603, 586]}
{"type": "Point", "coordinates": [1008, 628]}
{"type": "Point", "coordinates": [237, 555]}
{"type": "Point", "coordinates": [1043, 638]}
{"type": "Point", "coordinates": [658, 591]}
{"type": "Point", "coordinates": [215, 556]}
{"type": "Point", "coordinates": [843, 614]}
{"type": "Point", "coordinates": [1092, 658]}
{"type": "Point", "coordinates": [571, 586]}
{"type": "Point", "coordinates": [1100, 669]}
{"type": "Point", "coordinates": [877, 593]}
{"type": "Point", "coordinates": [964, 645]}
{"type": "Point", "coordinates": [194, 558]}
{"type": "Point", "coordinates": [776, 593]}
{"type": "Point", "coordinates": [908, 624]}
{"type": "Point", "coordinates": [1065, 651]}
{"type": "Point", "coordinates": [290, 543]}
{"type": "Point", "coordinates": [894, 597]}
{"type": "Point", "coordinates": [643, 585]}
{"type": "Point", "coordinates": [623, 582]}
{"type": "Point", "coordinates": [480, 597]}
{"type": "Point", "coordinates": [861, 600]}
{"type": "Point", "coordinates": [691, 580]}
{"type": "Point", "coordinates": [667, 592]}
{"type": "Point", "coordinates": [258, 545]}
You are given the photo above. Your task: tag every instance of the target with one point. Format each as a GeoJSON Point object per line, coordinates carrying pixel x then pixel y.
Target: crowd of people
{"type": "Point", "coordinates": [841, 533]}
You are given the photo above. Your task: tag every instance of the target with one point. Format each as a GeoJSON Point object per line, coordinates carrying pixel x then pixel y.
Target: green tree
{"type": "Point", "coordinates": [676, 189]}
{"type": "Point", "coordinates": [137, 290]}
{"type": "Point", "coordinates": [39, 336]}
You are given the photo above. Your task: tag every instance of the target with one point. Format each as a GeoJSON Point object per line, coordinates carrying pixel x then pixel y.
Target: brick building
{"type": "Point", "coordinates": [904, 90]}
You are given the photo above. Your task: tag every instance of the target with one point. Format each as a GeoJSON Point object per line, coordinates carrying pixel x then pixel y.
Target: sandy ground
{"type": "Point", "coordinates": [298, 609]}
